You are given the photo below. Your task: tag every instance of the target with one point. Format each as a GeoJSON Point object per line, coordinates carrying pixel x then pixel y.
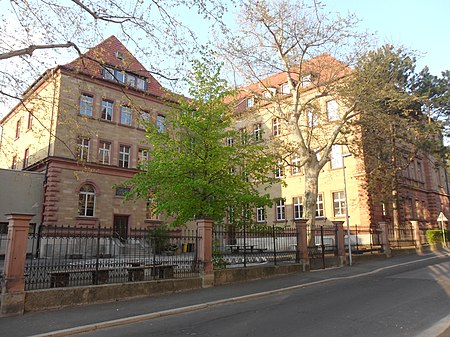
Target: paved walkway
{"type": "Point", "coordinates": [43, 322]}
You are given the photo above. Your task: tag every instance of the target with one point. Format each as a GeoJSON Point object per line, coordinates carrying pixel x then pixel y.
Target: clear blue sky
{"type": "Point", "coordinates": [421, 25]}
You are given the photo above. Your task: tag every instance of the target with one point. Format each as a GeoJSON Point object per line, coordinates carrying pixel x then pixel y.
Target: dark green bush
{"type": "Point", "coordinates": [435, 235]}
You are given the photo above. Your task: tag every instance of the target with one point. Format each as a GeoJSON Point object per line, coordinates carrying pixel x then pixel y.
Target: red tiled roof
{"type": "Point", "coordinates": [324, 67]}
{"type": "Point", "coordinates": [91, 63]}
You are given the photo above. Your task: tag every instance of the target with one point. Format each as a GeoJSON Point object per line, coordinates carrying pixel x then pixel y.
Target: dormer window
{"type": "Point", "coordinates": [250, 102]}
{"type": "Point", "coordinates": [124, 77]}
{"type": "Point", "coordinates": [120, 55]}
{"type": "Point", "coordinates": [306, 80]}
{"type": "Point", "coordinates": [130, 80]}
{"type": "Point", "coordinates": [108, 73]}
{"type": "Point", "coordinates": [285, 88]}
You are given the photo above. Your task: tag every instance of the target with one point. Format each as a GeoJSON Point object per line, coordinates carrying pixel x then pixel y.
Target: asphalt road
{"type": "Point", "coordinates": [406, 295]}
{"type": "Point", "coordinates": [405, 300]}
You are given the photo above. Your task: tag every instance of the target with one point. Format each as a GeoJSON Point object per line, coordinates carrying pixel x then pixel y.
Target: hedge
{"type": "Point", "coordinates": [435, 235]}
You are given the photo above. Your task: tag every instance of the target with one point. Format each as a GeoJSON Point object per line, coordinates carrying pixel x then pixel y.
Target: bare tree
{"type": "Point", "coordinates": [301, 44]}
{"type": "Point", "coordinates": [36, 34]}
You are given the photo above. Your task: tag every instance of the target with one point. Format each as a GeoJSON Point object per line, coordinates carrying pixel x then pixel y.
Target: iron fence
{"type": "Point", "coordinates": [244, 246]}
{"type": "Point", "coordinates": [402, 236]}
{"type": "Point", "coordinates": [365, 239]}
{"type": "Point", "coordinates": [72, 256]}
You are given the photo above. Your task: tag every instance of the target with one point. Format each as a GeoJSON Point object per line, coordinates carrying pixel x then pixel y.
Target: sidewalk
{"type": "Point", "coordinates": [42, 322]}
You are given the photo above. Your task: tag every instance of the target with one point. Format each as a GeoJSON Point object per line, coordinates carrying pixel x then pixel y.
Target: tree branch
{"type": "Point", "coordinates": [29, 50]}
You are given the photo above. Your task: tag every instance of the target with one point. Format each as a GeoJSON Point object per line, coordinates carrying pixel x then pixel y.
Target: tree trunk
{"type": "Point", "coordinates": [311, 189]}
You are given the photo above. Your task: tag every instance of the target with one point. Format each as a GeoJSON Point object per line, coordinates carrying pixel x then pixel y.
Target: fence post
{"type": "Point", "coordinates": [340, 241]}
{"type": "Point", "coordinates": [416, 234]}
{"type": "Point", "coordinates": [13, 287]}
{"type": "Point", "coordinates": [302, 244]}
{"type": "Point", "coordinates": [385, 238]}
{"type": "Point", "coordinates": [204, 227]}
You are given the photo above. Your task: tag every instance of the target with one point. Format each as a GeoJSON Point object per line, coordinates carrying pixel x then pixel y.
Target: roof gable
{"type": "Point", "coordinates": [105, 54]}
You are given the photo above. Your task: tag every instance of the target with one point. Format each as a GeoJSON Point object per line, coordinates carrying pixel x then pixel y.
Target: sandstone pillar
{"type": "Point", "coordinates": [205, 250]}
{"type": "Point", "coordinates": [13, 287]}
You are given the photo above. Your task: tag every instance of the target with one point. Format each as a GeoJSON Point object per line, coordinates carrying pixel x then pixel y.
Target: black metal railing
{"type": "Point", "coordinates": [402, 236]}
{"type": "Point", "coordinates": [244, 246]}
{"type": "Point", "coordinates": [365, 239]}
{"type": "Point", "coordinates": [72, 256]}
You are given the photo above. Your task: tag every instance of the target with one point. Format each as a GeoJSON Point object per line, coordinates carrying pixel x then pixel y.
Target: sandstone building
{"type": "Point", "coordinates": [82, 124]}
{"type": "Point", "coordinates": [423, 185]}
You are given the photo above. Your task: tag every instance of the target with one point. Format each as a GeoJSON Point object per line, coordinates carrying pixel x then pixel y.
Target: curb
{"type": "Point", "coordinates": [196, 307]}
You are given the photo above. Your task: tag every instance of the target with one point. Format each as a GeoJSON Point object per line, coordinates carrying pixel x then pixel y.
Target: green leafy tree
{"type": "Point", "coordinates": [198, 165]}
{"type": "Point", "coordinates": [394, 125]}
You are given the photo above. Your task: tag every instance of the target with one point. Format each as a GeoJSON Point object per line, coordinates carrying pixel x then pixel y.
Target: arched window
{"type": "Point", "coordinates": [86, 200]}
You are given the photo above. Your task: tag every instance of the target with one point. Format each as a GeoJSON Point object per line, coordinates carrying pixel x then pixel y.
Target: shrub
{"type": "Point", "coordinates": [435, 235]}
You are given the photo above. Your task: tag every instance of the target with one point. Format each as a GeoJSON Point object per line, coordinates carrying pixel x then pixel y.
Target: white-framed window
{"type": "Point", "coordinates": [107, 110]}
{"type": "Point", "coordinates": [86, 102]}
{"type": "Point", "coordinates": [257, 132]}
{"type": "Point", "coordinates": [26, 157]}
{"type": "Point", "coordinates": [124, 156]}
{"type": "Point", "coordinates": [143, 155]}
{"type": "Point", "coordinates": [250, 102]}
{"type": "Point", "coordinates": [83, 145]}
{"type": "Point", "coordinates": [125, 78]}
{"type": "Point", "coordinates": [104, 152]}
{"type": "Point", "coordinates": [30, 121]}
{"type": "Point", "coordinates": [119, 76]}
{"type": "Point", "coordinates": [280, 210]}
{"type": "Point", "coordinates": [18, 127]}
{"type": "Point", "coordinates": [125, 115]}
{"type": "Point", "coordinates": [285, 88]}
{"type": "Point", "coordinates": [141, 84]}
{"type": "Point", "coordinates": [260, 214]}
{"type": "Point", "coordinates": [230, 141]}
{"type": "Point", "coordinates": [320, 212]}
{"type": "Point", "coordinates": [267, 94]}
{"type": "Point", "coordinates": [295, 166]}
{"type": "Point", "coordinates": [276, 131]}
{"type": "Point", "coordinates": [108, 73]}
{"type": "Point", "coordinates": [313, 118]}
{"type": "Point", "coordinates": [306, 80]}
{"type": "Point", "coordinates": [332, 110]}
{"type": "Point", "coordinates": [298, 208]}
{"type": "Point", "coordinates": [130, 79]}
{"type": "Point", "coordinates": [336, 157]}
{"type": "Point", "coordinates": [86, 201]}
{"type": "Point", "coordinates": [161, 123]}
{"type": "Point", "coordinates": [339, 203]}
{"type": "Point", "coordinates": [279, 170]}
{"type": "Point", "coordinates": [145, 119]}
{"type": "Point", "coordinates": [120, 55]}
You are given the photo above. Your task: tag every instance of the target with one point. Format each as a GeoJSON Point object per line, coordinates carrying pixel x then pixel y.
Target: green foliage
{"type": "Point", "coordinates": [392, 117]}
{"type": "Point", "coordinates": [217, 257]}
{"type": "Point", "coordinates": [159, 238]}
{"type": "Point", "coordinates": [435, 235]}
{"type": "Point", "coordinates": [191, 172]}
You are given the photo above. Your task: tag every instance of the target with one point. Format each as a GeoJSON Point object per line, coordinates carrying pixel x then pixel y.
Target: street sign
{"type": "Point", "coordinates": [441, 217]}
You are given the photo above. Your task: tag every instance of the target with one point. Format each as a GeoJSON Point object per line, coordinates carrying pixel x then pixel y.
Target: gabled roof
{"type": "Point", "coordinates": [324, 68]}
{"type": "Point", "coordinates": [105, 54]}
